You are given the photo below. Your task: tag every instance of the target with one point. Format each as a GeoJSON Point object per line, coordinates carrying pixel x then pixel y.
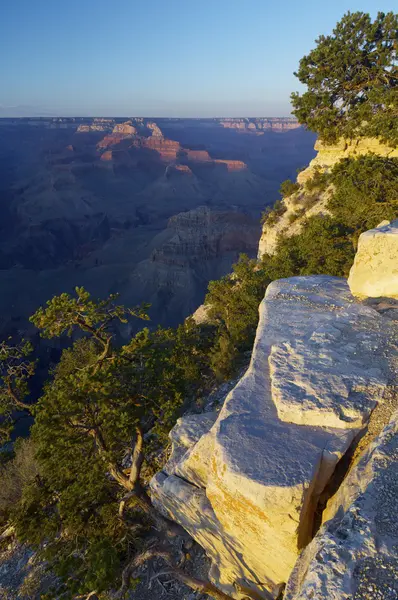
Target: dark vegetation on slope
{"type": "Point", "coordinates": [77, 489]}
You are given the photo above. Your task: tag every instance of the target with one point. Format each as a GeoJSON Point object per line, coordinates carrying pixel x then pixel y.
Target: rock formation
{"type": "Point", "coordinates": [120, 132]}
{"type": "Point", "coordinates": [98, 216]}
{"type": "Point", "coordinates": [197, 155]}
{"type": "Point", "coordinates": [354, 555]}
{"type": "Point", "coordinates": [156, 131]}
{"type": "Point", "coordinates": [330, 154]}
{"type": "Point", "coordinates": [375, 270]}
{"type": "Point", "coordinates": [298, 208]}
{"type": "Point", "coordinates": [232, 165]}
{"type": "Point", "coordinates": [107, 155]}
{"type": "Point", "coordinates": [206, 233]}
{"type": "Point", "coordinates": [167, 149]}
{"type": "Point", "coordinates": [247, 487]}
{"type": "Point", "coordinates": [261, 124]}
{"type": "Point", "coordinates": [92, 127]}
{"type": "Point", "coordinates": [125, 128]}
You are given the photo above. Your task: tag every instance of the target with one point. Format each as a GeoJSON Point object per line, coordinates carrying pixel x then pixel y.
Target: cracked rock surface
{"type": "Point", "coordinates": [246, 487]}
{"type": "Point", "coordinates": [355, 553]}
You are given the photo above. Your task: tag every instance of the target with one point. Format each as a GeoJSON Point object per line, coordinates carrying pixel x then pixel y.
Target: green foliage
{"type": "Point", "coordinates": [18, 472]}
{"type": "Point", "coordinates": [15, 372]}
{"type": "Point", "coordinates": [63, 313]}
{"type": "Point", "coordinates": [93, 415]}
{"type": "Point", "coordinates": [352, 79]}
{"type": "Point", "coordinates": [234, 301]}
{"type": "Point", "coordinates": [288, 188]}
{"type": "Point", "coordinates": [365, 192]}
{"type": "Point", "coordinates": [318, 182]}
{"type": "Point", "coordinates": [322, 247]}
{"type": "Point", "coordinates": [296, 215]}
{"type": "Point", "coordinates": [271, 215]}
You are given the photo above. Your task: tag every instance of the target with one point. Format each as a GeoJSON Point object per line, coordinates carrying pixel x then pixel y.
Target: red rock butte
{"type": "Point", "coordinates": [168, 149]}
{"type": "Point", "coordinates": [232, 165]}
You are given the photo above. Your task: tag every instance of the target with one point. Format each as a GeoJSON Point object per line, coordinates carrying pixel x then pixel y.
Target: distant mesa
{"type": "Point", "coordinates": [259, 125]}
{"type": "Point", "coordinates": [109, 121]}
{"type": "Point", "coordinates": [197, 155]}
{"type": "Point", "coordinates": [93, 127]}
{"type": "Point", "coordinates": [167, 149]}
{"type": "Point", "coordinates": [232, 165]}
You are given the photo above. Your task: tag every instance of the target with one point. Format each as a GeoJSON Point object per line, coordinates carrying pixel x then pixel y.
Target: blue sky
{"type": "Point", "coordinates": [159, 57]}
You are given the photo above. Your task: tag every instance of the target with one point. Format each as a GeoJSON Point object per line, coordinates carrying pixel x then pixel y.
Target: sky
{"type": "Point", "coordinates": [174, 58]}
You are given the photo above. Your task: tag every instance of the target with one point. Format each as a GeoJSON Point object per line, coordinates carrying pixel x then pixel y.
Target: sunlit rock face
{"type": "Point", "coordinates": [125, 128]}
{"type": "Point", "coordinates": [354, 554]}
{"type": "Point", "coordinates": [232, 165]}
{"type": "Point", "coordinates": [375, 271]}
{"type": "Point", "coordinates": [328, 155]}
{"type": "Point", "coordinates": [247, 490]}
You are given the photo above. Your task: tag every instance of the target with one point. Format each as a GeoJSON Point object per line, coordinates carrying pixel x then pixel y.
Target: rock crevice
{"type": "Point", "coordinates": [247, 487]}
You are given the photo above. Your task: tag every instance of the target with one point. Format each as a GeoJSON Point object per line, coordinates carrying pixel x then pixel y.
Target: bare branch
{"type": "Point", "coordinates": [137, 457]}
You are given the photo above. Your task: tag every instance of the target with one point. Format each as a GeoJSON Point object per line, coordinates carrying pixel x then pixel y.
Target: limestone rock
{"type": "Point", "coordinates": [259, 124]}
{"type": "Point", "coordinates": [125, 128]}
{"type": "Point", "coordinates": [284, 225]}
{"type": "Point", "coordinates": [168, 150]}
{"type": "Point", "coordinates": [375, 269]}
{"type": "Point", "coordinates": [248, 488]}
{"type": "Point", "coordinates": [354, 555]}
{"type": "Point", "coordinates": [328, 155]}
{"type": "Point", "coordinates": [200, 316]}
{"type": "Point", "coordinates": [155, 130]}
{"type": "Point", "coordinates": [232, 165]}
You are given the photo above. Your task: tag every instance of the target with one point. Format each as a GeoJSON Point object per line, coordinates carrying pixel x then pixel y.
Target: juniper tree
{"type": "Point", "coordinates": [352, 80]}
{"type": "Point", "coordinates": [94, 427]}
{"type": "Point", "coordinates": [15, 371]}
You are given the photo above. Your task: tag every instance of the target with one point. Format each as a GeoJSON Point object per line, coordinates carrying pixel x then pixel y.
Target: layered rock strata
{"type": "Point", "coordinates": [167, 149]}
{"type": "Point", "coordinates": [375, 270]}
{"type": "Point", "coordinates": [247, 490]}
{"type": "Point", "coordinates": [261, 124]}
{"type": "Point", "coordinates": [232, 165]}
{"type": "Point", "coordinates": [330, 154]}
{"type": "Point", "coordinates": [203, 233]}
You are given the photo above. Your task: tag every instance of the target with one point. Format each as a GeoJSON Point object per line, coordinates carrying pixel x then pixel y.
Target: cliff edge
{"type": "Point", "coordinates": [246, 483]}
{"type": "Point", "coordinates": [303, 202]}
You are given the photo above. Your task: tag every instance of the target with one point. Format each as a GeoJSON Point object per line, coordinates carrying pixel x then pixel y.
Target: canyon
{"type": "Point", "coordinates": [153, 209]}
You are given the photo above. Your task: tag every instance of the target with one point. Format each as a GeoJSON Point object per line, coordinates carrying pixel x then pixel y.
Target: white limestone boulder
{"type": "Point", "coordinates": [354, 555]}
{"type": "Point", "coordinates": [374, 273]}
{"type": "Point", "coordinates": [261, 467]}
